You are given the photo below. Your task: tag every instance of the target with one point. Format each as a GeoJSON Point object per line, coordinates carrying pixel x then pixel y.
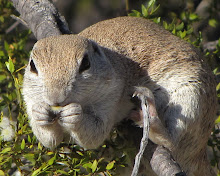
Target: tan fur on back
{"type": "Point", "coordinates": [186, 84]}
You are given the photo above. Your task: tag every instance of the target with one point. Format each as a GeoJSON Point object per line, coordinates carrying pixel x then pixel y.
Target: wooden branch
{"type": "Point", "coordinates": [144, 140]}
{"type": "Point", "coordinates": [163, 164]}
{"type": "Point", "coordinates": [41, 17]}
{"type": "Point", "coordinates": [12, 27]}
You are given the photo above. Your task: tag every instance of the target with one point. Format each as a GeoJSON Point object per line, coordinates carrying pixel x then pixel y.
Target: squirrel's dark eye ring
{"type": "Point", "coordinates": [85, 64]}
{"type": "Point", "coordinates": [33, 68]}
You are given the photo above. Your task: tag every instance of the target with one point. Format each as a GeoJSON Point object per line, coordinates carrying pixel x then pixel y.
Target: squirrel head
{"type": "Point", "coordinates": [66, 68]}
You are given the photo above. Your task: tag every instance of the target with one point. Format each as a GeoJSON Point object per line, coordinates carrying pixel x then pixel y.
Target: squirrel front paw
{"type": "Point", "coordinates": [44, 125]}
{"type": "Point", "coordinates": [43, 115]}
{"type": "Point", "coordinates": [70, 116]}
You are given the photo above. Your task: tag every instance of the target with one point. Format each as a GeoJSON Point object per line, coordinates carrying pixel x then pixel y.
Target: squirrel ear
{"type": "Point", "coordinates": [96, 48]}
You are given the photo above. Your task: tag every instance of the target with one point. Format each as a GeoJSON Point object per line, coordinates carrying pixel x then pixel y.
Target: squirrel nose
{"type": "Point", "coordinates": [55, 97]}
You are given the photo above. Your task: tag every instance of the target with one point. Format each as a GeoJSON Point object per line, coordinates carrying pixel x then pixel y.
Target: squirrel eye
{"type": "Point", "coordinates": [85, 64]}
{"type": "Point", "coordinates": [33, 67]}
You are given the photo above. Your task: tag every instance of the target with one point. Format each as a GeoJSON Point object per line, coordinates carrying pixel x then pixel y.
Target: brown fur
{"type": "Point", "coordinates": [131, 52]}
{"type": "Point", "coordinates": [184, 86]}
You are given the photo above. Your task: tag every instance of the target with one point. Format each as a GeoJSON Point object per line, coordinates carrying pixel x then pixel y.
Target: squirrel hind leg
{"type": "Point", "coordinates": [157, 131]}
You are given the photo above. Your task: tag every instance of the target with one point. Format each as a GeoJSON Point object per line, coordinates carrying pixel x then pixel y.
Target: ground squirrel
{"type": "Point", "coordinates": [92, 76]}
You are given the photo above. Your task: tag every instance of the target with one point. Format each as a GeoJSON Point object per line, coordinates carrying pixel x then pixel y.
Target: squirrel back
{"type": "Point", "coordinates": [177, 74]}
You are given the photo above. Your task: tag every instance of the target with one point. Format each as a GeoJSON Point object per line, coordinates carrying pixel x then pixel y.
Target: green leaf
{"type": "Point", "coordinates": [135, 13]}
{"type": "Point", "coordinates": [215, 71]}
{"type": "Point", "coordinates": [22, 144]}
{"type": "Point", "coordinates": [1, 158]}
{"type": "Point", "coordinates": [154, 10]}
{"type": "Point", "coordinates": [144, 11]}
{"type": "Point", "coordinates": [151, 3]}
{"type": "Point", "coordinates": [10, 65]}
{"type": "Point", "coordinates": [110, 165]}
{"type": "Point", "coordinates": [39, 146]}
{"type": "Point", "coordinates": [50, 153]}
{"type": "Point", "coordinates": [44, 166]}
{"type": "Point", "coordinates": [77, 170]}
{"type": "Point", "coordinates": [2, 19]}
{"type": "Point", "coordinates": [62, 172]}
{"type": "Point", "coordinates": [2, 173]}
{"type": "Point", "coordinates": [100, 160]}
{"type": "Point", "coordinates": [6, 150]}
{"type": "Point", "coordinates": [80, 153]}
{"type": "Point", "coordinates": [94, 166]}
{"type": "Point", "coordinates": [193, 17]}
{"type": "Point", "coordinates": [213, 23]}
{"type": "Point", "coordinates": [217, 120]}
{"type": "Point", "coordinates": [174, 31]}
{"type": "Point", "coordinates": [36, 172]}
{"type": "Point", "coordinates": [2, 53]}
{"type": "Point", "coordinates": [180, 27]}
{"type": "Point", "coordinates": [157, 20]}
{"type": "Point", "coordinates": [218, 87]}
{"type": "Point", "coordinates": [165, 25]}
{"type": "Point", "coordinates": [2, 77]}
{"type": "Point", "coordinates": [189, 30]}
{"type": "Point", "coordinates": [51, 161]}
{"type": "Point", "coordinates": [182, 34]}
{"type": "Point", "coordinates": [6, 45]}
{"type": "Point", "coordinates": [87, 165]}
{"type": "Point", "coordinates": [75, 161]}
{"type": "Point", "coordinates": [29, 139]}
{"type": "Point", "coordinates": [30, 157]}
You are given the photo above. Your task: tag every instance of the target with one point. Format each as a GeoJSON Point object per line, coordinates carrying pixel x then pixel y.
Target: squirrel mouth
{"type": "Point", "coordinates": [56, 108]}
{"type": "Point", "coordinates": [54, 114]}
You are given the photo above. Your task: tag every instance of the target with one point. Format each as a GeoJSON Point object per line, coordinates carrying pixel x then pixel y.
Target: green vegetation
{"type": "Point", "coordinates": [19, 148]}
